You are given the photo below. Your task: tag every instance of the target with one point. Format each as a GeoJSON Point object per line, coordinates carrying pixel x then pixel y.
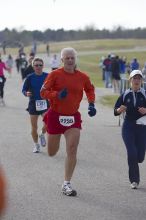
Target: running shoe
{"type": "Point", "coordinates": [42, 140]}
{"type": "Point", "coordinates": [134, 185]}
{"type": "Point", "coordinates": [68, 191]}
{"type": "Point", "coordinates": [36, 148]}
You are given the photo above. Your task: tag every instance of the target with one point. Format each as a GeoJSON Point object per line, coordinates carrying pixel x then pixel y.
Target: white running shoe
{"type": "Point", "coordinates": [67, 190]}
{"type": "Point", "coordinates": [42, 140]}
{"type": "Point", "coordinates": [36, 148]}
{"type": "Point", "coordinates": [134, 185]}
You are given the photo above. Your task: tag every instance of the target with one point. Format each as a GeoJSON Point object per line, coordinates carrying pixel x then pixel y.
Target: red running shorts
{"type": "Point", "coordinates": [57, 123]}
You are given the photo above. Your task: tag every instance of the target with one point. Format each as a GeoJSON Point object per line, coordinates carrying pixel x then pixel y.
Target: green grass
{"type": "Point", "coordinates": [109, 100]}
{"type": "Point", "coordinates": [90, 64]}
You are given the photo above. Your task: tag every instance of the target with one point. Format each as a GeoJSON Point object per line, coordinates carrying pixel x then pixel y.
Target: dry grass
{"type": "Point", "coordinates": [87, 45]}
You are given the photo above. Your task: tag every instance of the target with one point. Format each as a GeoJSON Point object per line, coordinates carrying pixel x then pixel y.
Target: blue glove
{"type": "Point", "coordinates": [91, 110]}
{"type": "Point", "coordinates": [63, 93]}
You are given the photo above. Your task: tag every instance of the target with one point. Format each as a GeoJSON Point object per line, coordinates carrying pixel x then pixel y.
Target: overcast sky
{"type": "Point", "coordinates": [71, 14]}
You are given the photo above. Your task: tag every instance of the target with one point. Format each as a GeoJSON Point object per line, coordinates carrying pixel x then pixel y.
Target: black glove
{"type": "Point", "coordinates": [91, 110]}
{"type": "Point", "coordinates": [63, 93]}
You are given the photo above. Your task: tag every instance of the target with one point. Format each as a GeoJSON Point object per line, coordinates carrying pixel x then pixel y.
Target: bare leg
{"type": "Point", "coordinates": [53, 143]}
{"type": "Point", "coordinates": [44, 127]}
{"type": "Point", "coordinates": [34, 127]}
{"type": "Point", "coordinates": [72, 137]}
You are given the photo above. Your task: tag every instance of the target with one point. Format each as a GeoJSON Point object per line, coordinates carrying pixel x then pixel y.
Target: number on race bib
{"type": "Point", "coordinates": [41, 105]}
{"type": "Point", "coordinates": [66, 120]}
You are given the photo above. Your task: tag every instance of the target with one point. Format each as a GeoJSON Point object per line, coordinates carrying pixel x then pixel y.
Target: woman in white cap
{"type": "Point", "coordinates": [133, 103]}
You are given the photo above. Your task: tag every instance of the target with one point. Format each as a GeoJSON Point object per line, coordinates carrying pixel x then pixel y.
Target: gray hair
{"type": "Point", "coordinates": [68, 49]}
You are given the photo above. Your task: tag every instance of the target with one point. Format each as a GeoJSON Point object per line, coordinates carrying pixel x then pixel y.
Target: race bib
{"type": "Point", "coordinates": [66, 120]}
{"type": "Point", "coordinates": [41, 105]}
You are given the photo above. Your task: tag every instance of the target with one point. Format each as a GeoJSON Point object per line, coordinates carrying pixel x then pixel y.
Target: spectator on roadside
{"type": "Point", "coordinates": [122, 62]}
{"type": "Point", "coordinates": [107, 71]}
{"type": "Point", "coordinates": [134, 64]}
{"type": "Point", "coordinates": [4, 47]}
{"type": "Point", "coordinates": [128, 68]}
{"type": "Point", "coordinates": [48, 49]}
{"type": "Point", "coordinates": [34, 48]}
{"type": "Point", "coordinates": [55, 62]}
{"type": "Point", "coordinates": [101, 65]}
{"type": "Point", "coordinates": [144, 76]}
{"type": "Point", "coordinates": [144, 71]}
{"type": "Point", "coordinates": [115, 68]}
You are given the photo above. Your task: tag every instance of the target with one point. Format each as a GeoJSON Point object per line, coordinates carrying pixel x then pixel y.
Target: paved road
{"type": "Point", "coordinates": [34, 180]}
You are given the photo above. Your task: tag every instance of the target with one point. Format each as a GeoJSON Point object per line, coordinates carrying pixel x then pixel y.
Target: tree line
{"type": "Point", "coordinates": [14, 38]}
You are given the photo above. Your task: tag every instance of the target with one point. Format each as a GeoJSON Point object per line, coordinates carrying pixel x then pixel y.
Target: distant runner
{"type": "Point", "coordinates": [2, 81]}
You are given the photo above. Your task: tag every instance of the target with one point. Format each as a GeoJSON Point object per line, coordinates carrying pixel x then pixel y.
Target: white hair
{"type": "Point", "coordinates": [68, 49]}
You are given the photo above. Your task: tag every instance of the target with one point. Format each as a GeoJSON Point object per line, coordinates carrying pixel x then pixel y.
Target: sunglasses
{"type": "Point", "coordinates": [137, 77]}
{"type": "Point", "coordinates": [38, 65]}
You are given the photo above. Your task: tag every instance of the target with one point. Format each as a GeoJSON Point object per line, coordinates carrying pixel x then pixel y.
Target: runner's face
{"type": "Point", "coordinates": [69, 61]}
{"type": "Point", "coordinates": [38, 67]}
{"type": "Point", "coordinates": [136, 82]}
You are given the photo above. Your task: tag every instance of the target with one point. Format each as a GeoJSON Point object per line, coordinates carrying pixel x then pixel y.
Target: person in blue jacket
{"type": "Point", "coordinates": [135, 64]}
{"type": "Point", "coordinates": [133, 104]}
{"type": "Point", "coordinates": [36, 106]}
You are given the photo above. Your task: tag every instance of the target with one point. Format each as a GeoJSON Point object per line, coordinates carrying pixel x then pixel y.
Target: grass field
{"type": "Point", "coordinates": [90, 64]}
{"type": "Point", "coordinates": [109, 100]}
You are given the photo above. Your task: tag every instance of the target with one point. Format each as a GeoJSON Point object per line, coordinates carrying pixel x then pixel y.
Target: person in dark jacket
{"type": "Point", "coordinates": [107, 71]}
{"type": "Point", "coordinates": [115, 68]}
{"type": "Point", "coordinates": [133, 104]}
{"type": "Point", "coordinates": [29, 69]}
{"type": "Point", "coordinates": [23, 65]}
{"type": "Point", "coordinates": [134, 64]}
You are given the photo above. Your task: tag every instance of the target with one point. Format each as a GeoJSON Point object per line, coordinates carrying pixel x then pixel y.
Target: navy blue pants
{"type": "Point", "coordinates": [134, 137]}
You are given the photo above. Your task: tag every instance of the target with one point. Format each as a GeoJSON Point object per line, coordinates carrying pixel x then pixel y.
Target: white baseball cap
{"type": "Point", "coordinates": [135, 72]}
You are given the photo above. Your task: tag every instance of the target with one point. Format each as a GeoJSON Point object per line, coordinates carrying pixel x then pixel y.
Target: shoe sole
{"type": "Point", "coordinates": [134, 187]}
{"type": "Point", "coordinates": [73, 193]}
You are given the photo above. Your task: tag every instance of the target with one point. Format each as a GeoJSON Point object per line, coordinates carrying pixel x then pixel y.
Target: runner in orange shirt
{"type": "Point", "coordinates": [64, 88]}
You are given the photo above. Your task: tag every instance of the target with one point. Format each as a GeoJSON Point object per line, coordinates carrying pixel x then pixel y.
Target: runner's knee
{"type": "Point", "coordinates": [52, 151]}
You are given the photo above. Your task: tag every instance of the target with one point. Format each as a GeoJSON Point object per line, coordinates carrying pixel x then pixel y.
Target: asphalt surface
{"type": "Point", "coordinates": [100, 177]}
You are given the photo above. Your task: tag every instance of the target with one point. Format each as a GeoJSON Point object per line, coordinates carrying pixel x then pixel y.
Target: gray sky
{"type": "Point", "coordinates": [71, 14]}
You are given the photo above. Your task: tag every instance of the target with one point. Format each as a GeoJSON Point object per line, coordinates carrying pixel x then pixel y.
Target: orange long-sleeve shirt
{"type": "Point", "coordinates": [75, 83]}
